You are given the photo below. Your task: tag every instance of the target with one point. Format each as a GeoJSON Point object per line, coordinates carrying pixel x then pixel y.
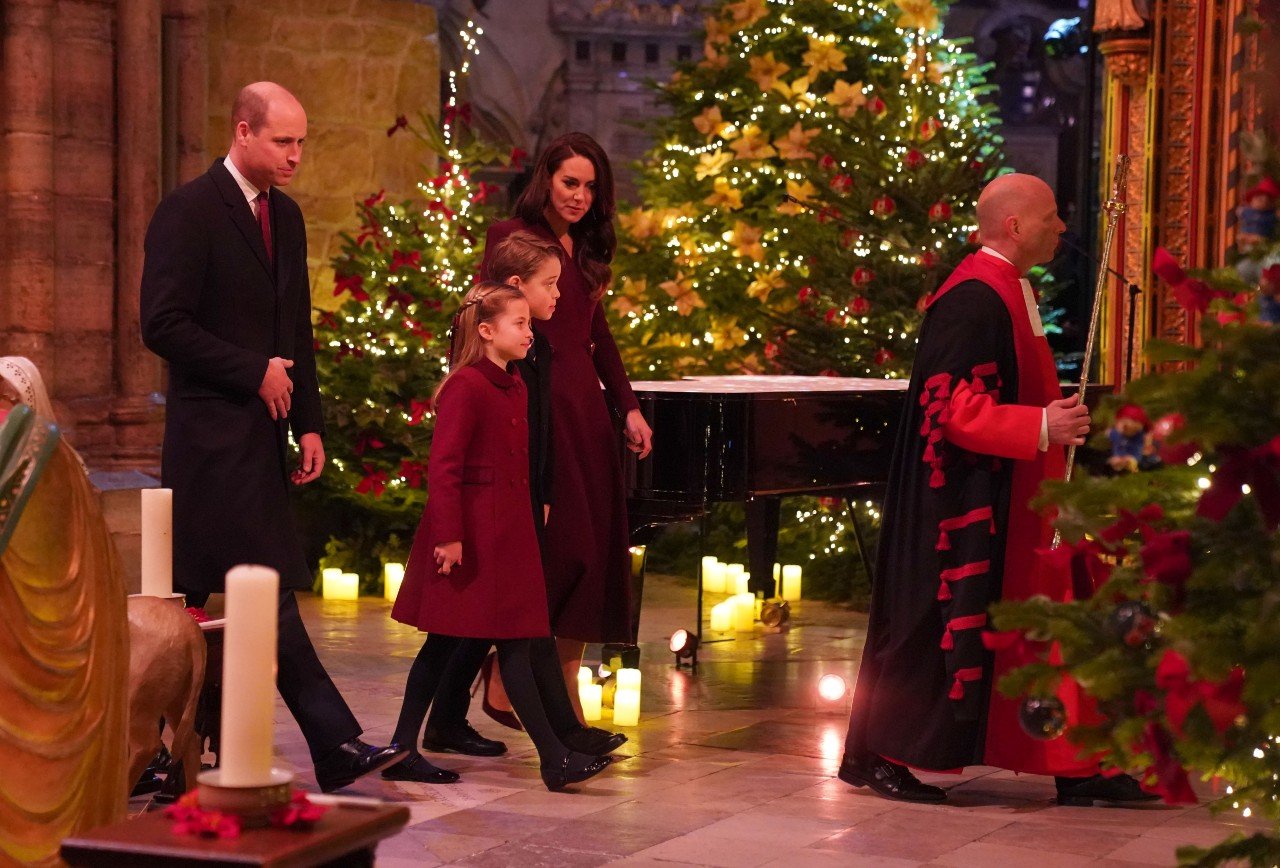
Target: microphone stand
{"type": "Point", "coordinates": [1134, 292]}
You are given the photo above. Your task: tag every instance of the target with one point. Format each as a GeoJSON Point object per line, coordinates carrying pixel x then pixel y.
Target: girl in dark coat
{"type": "Point", "coordinates": [474, 570]}
{"type": "Point", "coordinates": [570, 200]}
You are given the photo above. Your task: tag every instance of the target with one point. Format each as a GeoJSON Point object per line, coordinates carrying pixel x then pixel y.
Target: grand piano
{"type": "Point", "coordinates": [756, 439]}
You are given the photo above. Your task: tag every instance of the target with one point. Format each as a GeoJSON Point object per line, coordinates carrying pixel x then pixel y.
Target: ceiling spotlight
{"type": "Point", "coordinates": [683, 644]}
{"type": "Point", "coordinates": [832, 688]}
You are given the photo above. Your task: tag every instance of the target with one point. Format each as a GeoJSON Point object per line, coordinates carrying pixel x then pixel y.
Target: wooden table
{"type": "Point", "coordinates": [344, 836]}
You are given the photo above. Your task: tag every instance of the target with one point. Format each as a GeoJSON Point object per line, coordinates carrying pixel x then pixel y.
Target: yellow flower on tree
{"type": "Point", "coordinates": [753, 145]}
{"type": "Point", "coordinates": [795, 144]}
{"type": "Point", "coordinates": [802, 190]}
{"type": "Point", "coordinates": [823, 56]}
{"type": "Point", "coordinates": [724, 195]}
{"type": "Point", "coordinates": [917, 14]}
{"type": "Point", "coordinates": [717, 32]}
{"type": "Point", "coordinates": [764, 282]}
{"type": "Point", "coordinates": [765, 71]}
{"type": "Point", "coordinates": [746, 240]}
{"type": "Point", "coordinates": [744, 13]}
{"type": "Point", "coordinates": [712, 163]}
{"type": "Point", "coordinates": [847, 98]}
{"type": "Point", "coordinates": [726, 335]}
{"type": "Point", "coordinates": [625, 306]}
{"type": "Point", "coordinates": [682, 293]}
{"type": "Point", "coordinates": [640, 223]}
{"type": "Point", "coordinates": [796, 91]}
{"type": "Point", "coordinates": [709, 122]}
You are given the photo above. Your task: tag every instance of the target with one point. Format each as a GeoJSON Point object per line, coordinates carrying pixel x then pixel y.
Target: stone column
{"type": "Point", "coordinates": [135, 415]}
{"type": "Point", "coordinates": [27, 266]}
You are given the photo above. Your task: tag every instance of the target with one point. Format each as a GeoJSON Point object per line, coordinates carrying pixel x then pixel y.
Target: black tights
{"type": "Point", "coordinates": [531, 675]}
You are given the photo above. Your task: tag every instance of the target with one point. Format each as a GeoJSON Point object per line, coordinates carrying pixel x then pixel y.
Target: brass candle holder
{"type": "Point", "coordinates": [253, 804]}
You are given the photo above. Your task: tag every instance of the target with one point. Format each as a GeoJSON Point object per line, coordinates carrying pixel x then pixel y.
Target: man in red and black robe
{"type": "Point", "coordinates": [985, 424]}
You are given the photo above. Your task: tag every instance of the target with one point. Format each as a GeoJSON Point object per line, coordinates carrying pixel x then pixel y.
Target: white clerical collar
{"type": "Point", "coordinates": [990, 251]}
{"type": "Point", "coordinates": [250, 192]}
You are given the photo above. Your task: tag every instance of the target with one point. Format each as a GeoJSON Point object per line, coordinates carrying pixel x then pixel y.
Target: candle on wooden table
{"type": "Point", "coordinates": [392, 577]}
{"type": "Point", "coordinates": [592, 696]}
{"type": "Point", "coordinates": [722, 616]}
{"type": "Point", "coordinates": [790, 590]}
{"type": "Point", "coordinates": [157, 542]}
{"type": "Point", "coordinates": [249, 676]}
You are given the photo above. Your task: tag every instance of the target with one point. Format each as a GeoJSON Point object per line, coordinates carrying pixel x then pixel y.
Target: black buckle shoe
{"type": "Point", "coordinates": [354, 759]}
{"type": "Point", "coordinates": [574, 769]}
{"type": "Point", "coordinates": [416, 768]}
{"type": "Point", "coordinates": [1083, 792]}
{"type": "Point", "coordinates": [888, 779]}
{"type": "Point", "coordinates": [461, 739]}
{"type": "Point", "coordinates": [593, 740]}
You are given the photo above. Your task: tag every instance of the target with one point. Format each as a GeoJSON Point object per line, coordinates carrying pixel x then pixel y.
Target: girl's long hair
{"type": "Point", "coordinates": [484, 302]}
{"type": "Point", "coordinates": [520, 255]}
{"type": "Point", "coordinates": [594, 238]}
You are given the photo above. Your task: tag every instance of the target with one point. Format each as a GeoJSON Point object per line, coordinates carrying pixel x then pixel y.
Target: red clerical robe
{"type": "Point", "coordinates": [959, 534]}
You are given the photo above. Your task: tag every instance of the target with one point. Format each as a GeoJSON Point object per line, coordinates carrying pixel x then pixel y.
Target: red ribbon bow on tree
{"type": "Point", "coordinates": [1259, 468]}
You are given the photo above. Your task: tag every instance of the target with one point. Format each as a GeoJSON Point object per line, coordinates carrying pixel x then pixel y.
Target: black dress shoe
{"type": "Point", "coordinates": [574, 769]}
{"type": "Point", "coordinates": [354, 759]}
{"type": "Point", "coordinates": [415, 768]}
{"type": "Point", "coordinates": [461, 739]}
{"type": "Point", "coordinates": [888, 779]}
{"type": "Point", "coordinates": [593, 740]}
{"type": "Point", "coordinates": [1083, 792]}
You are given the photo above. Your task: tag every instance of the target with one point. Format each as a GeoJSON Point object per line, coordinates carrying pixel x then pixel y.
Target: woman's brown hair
{"type": "Point", "coordinates": [483, 303]}
{"type": "Point", "coordinates": [594, 238]}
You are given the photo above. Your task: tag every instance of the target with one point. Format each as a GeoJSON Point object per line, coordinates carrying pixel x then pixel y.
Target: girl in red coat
{"type": "Point", "coordinates": [569, 201]}
{"type": "Point", "coordinates": [474, 570]}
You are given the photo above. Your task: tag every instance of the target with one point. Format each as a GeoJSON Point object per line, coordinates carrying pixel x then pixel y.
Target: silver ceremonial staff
{"type": "Point", "coordinates": [1114, 208]}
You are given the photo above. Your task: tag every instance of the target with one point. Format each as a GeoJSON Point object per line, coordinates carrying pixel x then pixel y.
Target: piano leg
{"type": "Point", "coordinates": [858, 537]}
{"type": "Point", "coordinates": [762, 543]}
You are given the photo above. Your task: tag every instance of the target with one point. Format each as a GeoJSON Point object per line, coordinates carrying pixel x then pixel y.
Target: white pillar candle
{"type": "Point", "coordinates": [713, 577]}
{"type": "Point", "coordinates": [731, 573]}
{"type": "Point", "coordinates": [592, 696]}
{"type": "Point", "coordinates": [249, 675]}
{"type": "Point", "coordinates": [628, 678]}
{"type": "Point", "coordinates": [742, 584]}
{"type": "Point", "coordinates": [744, 612]}
{"type": "Point", "coordinates": [722, 616]}
{"type": "Point", "coordinates": [790, 590]}
{"type": "Point", "coordinates": [626, 706]}
{"type": "Point", "coordinates": [337, 585]}
{"type": "Point", "coordinates": [392, 577]}
{"type": "Point", "coordinates": [584, 675]}
{"type": "Point", "coordinates": [157, 542]}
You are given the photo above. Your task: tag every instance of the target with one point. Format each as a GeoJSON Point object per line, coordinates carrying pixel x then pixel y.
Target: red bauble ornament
{"type": "Point", "coordinates": [827, 162]}
{"type": "Point", "coordinates": [859, 306]}
{"type": "Point", "coordinates": [914, 159]}
{"type": "Point", "coordinates": [832, 315]}
{"type": "Point", "coordinates": [850, 237]}
{"type": "Point", "coordinates": [929, 128]}
{"type": "Point", "coordinates": [883, 356]}
{"type": "Point", "coordinates": [862, 276]}
{"type": "Point", "coordinates": [877, 107]}
{"type": "Point", "coordinates": [939, 211]}
{"type": "Point", "coordinates": [1172, 453]}
{"type": "Point", "coordinates": [842, 183]}
{"type": "Point", "coordinates": [883, 206]}
{"type": "Point", "coordinates": [928, 259]}
{"type": "Point", "coordinates": [806, 294]}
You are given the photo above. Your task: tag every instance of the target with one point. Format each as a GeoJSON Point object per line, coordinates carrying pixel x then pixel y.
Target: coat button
{"type": "Point", "coordinates": [515, 421]}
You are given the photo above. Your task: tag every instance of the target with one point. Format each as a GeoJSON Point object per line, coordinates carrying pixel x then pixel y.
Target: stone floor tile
{"type": "Point", "coordinates": [530, 855]}
{"type": "Point", "coordinates": [700, 848]}
{"type": "Point", "coordinates": [982, 855]}
{"type": "Point", "coordinates": [1082, 840]}
{"type": "Point", "coordinates": [809, 858]}
{"type": "Point", "coordinates": [558, 806]}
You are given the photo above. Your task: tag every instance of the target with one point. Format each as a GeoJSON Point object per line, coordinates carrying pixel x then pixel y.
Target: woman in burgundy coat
{"type": "Point", "coordinates": [474, 570]}
{"type": "Point", "coordinates": [584, 552]}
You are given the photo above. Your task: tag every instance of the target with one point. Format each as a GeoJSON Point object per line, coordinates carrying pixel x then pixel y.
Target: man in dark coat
{"type": "Point", "coordinates": [226, 302]}
{"type": "Point", "coordinates": [984, 425]}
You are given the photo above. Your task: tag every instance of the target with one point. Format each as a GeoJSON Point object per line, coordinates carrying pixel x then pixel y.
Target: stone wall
{"type": "Point", "coordinates": [355, 65]}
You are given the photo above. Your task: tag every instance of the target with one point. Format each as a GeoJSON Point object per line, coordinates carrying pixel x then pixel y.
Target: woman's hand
{"type": "Point", "coordinates": [447, 555]}
{"type": "Point", "coordinates": [639, 434]}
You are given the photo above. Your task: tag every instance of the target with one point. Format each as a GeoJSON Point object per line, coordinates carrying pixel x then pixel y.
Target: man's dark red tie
{"type": "Point", "coordinates": [264, 222]}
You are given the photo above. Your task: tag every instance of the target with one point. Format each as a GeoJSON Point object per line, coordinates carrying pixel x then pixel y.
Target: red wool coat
{"type": "Point", "coordinates": [478, 492]}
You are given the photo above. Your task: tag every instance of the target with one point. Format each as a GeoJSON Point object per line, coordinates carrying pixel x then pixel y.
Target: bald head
{"type": "Point", "coordinates": [1018, 216]}
{"type": "Point", "coordinates": [269, 126]}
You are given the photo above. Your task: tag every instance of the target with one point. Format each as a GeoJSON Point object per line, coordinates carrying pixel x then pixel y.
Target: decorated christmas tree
{"type": "Point", "coordinates": [815, 177]}
{"type": "Point", "coordinates": [1177, 575]}
{"type": "Point", "coordinates": [383, 350]}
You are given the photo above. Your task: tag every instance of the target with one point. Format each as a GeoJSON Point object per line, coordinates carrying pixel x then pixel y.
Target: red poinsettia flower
{"type": "Point", "coordinates": [1169, 777]}
{"type": "Point", "coordinates": [1166, 558]}
{"type": "Point", "coordinates": [1221, 700]}
{"type": "Point", "coordinates": [827, 162]}
{"type": "Point", "coordinates": [414, 473]}
{"type": "Point", "coordinates": [374, 482]}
